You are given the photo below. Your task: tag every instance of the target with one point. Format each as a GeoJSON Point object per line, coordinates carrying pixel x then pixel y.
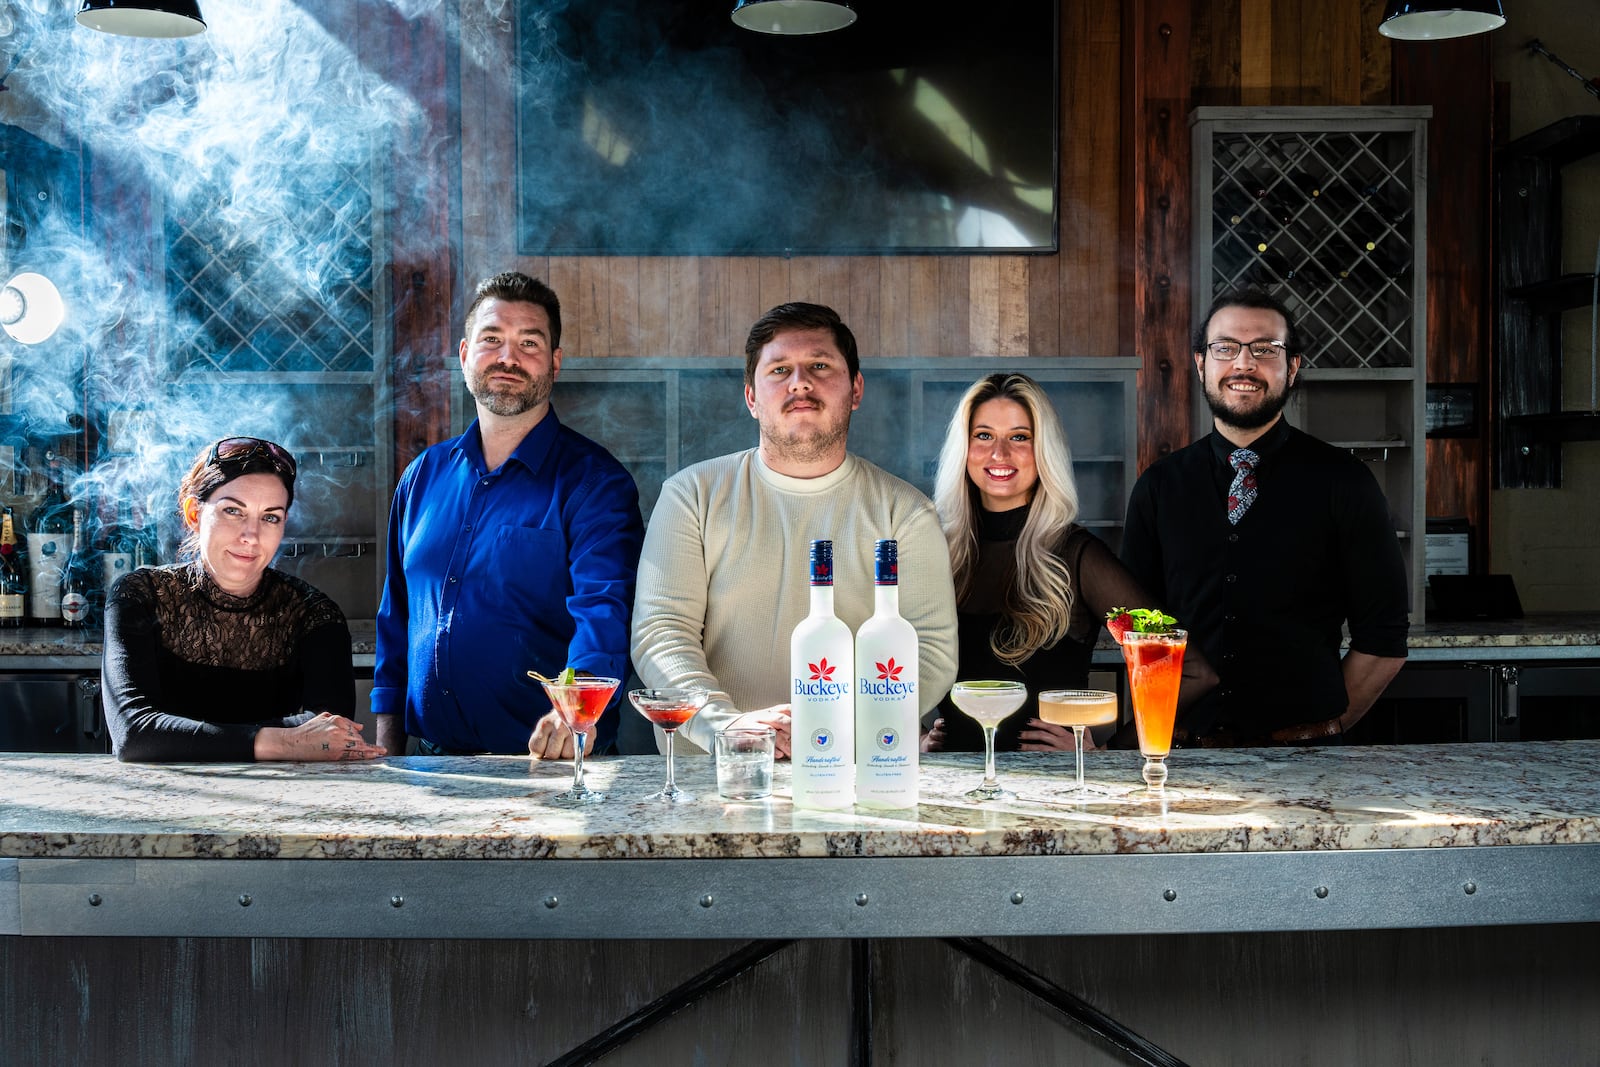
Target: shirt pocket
{"type": "Point", "coordinates": [528, 568]}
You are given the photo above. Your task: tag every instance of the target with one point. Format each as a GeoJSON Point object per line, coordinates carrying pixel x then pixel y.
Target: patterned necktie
{"type": "Point", "coordinates": [1242, 493]}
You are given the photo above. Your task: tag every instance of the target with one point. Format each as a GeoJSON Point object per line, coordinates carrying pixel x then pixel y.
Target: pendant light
{"type": "Point", "coordinates": [30, 308]}
{"type": "Point", "coordinates": [1425, 21]}
{"type": "Point", "coordinates": [143, 18]}
{"type": "Point", "coordinates": [792, 17]}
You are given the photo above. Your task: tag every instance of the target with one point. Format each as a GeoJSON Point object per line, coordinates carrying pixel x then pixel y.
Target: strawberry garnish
{"type": "Point", "coordinates": [1140, 620]}
{"type": "Point", "coordinates": [1119, 622]}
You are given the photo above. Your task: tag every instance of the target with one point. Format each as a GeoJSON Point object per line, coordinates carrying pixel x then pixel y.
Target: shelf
{"type": "Point", "coordinates": [1558, 294]}
{"type": "Point", "coordinates": [1563, 142]}
{"type": "Point", "coordinates": [1559, 425]}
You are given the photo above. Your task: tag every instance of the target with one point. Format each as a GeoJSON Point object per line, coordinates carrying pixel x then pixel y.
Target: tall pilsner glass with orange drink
{"type": "Point", "coordinates": [1152, 647]}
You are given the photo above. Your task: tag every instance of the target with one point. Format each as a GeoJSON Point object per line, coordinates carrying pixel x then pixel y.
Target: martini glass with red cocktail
{"type": "Point", "coordinates": [580, 701]}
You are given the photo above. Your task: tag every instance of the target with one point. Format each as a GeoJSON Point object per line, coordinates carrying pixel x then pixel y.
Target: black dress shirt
{"type": "Point", "coordinates": [1265, 600]}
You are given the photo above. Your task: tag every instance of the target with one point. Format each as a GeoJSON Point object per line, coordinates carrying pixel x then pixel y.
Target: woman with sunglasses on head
{"type": "Point", "coordinates": [1032, 586]}
{"type": "Point", "coordinates": [218, 656]}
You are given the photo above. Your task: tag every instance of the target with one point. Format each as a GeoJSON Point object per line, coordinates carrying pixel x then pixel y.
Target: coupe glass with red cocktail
{"type": "Point", "coordinates": [668, 709]}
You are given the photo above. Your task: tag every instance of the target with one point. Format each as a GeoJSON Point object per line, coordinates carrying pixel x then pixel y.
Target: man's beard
{"type": "Point", "coordinates": [1267, 404]}
{"type": "Point", "coordinates": [810, 445]}
{"type": "Point", "coordinates": [510, 400]}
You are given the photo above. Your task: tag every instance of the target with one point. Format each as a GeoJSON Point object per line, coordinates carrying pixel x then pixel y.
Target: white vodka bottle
{"type": "Point", "coordinates": [822, 745]}
{"type": "Point", "coordinates": [887, 711]}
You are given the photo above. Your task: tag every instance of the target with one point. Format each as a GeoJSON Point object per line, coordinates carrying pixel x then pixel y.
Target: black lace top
{"type": "Point", "coordinates": [1099, 583]}
{"type": "Point", "coordinates": [191, 672]}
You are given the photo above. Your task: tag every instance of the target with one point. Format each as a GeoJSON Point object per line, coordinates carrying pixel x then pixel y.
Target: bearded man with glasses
{"type": "Point", "coordinates": [1265, 542]}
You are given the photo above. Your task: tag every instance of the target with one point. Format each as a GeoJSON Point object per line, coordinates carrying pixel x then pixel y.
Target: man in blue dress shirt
{"type": "Point", "coordinates": [513, 547]}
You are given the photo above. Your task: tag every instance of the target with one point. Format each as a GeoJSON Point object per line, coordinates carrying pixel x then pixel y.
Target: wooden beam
{"type": "Point", "coordinates": [1156, 87]}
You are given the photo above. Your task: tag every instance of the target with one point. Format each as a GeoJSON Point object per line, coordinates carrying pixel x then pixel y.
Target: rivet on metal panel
{"type": "Point", "coordinates": [1322, 892]}
{"type": "Point", "coordinates": [1171, 894]}
{"type": "Point", "coordinates": [551, 902]}
{"type": "Point", "coordinates": [245, 900]}
{"type": "Point", "coordinates": [706, 901]}
{"type": "Point", "coordinates": [861, 900]}
{"type": "Point", "coordinates": [94, 900]}
{"type": "Point", "coordinates": [1016, 898]}
{"type": "Point", "coordinates": [397, 901]}
{"type": "Point", "coordinates": [1471, 888]}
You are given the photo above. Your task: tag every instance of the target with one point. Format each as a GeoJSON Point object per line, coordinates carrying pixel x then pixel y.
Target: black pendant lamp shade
{"type": "Point", "coordinates": [1436, 20]}
{"type": "Point", "coordinates": [792, 16]}
{"type": "Point", "coordinates": [143, 18]}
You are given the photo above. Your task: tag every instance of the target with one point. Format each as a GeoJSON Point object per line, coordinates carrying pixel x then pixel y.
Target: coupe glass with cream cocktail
{"type": "Point", "coordinates": [1079, 708]}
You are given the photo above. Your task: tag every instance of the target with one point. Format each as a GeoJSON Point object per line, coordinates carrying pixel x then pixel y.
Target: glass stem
{"type": "Point", "coordinates": [1077, 743]}
{"type": "Point", "coordinates": [577, 763]}
{"type": "Point", "coordinates": [671, 782]}
{"type": "Point", "coordinates": [988, 755]}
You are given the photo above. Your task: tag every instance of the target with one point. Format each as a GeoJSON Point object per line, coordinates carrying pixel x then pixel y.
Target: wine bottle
{"type": "Point", "coordinates": [117, 559]}
{"type": "Point", "coordinates": [75, 584]}
{"type": "Point", "coordinates": [821, 665]}
{"type": "Point", "coordinates": [13, 579]}
{"type": "Point", "coordinates": [47, 549]}
{"type": "Point", "coordinates": [887, 711]}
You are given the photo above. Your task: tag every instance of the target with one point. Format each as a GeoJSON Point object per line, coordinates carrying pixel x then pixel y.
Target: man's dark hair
{"type": "Point", "coordinates": [517, 288]}
{"type": "Point", "coordinates": [799, 316]}
{"type": "Point", "coordinates": [1260, 300]}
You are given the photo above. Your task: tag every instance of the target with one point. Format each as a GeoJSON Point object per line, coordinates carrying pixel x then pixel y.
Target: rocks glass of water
{"type": "Point", "coordinates": [744, 762]}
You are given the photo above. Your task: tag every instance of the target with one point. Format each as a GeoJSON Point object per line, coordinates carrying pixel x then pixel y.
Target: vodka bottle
{"type": "Point", "coordinates": [887, 712]}
{"type": "Point", "coordinates": [75, 581]}
{"type": "Point", "coordinates": [13, 575]}
{"type": "Point", "coordinates": [820, 670]}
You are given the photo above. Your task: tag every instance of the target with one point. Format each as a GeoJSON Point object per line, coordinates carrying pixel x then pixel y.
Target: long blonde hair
{"type": "Point", "coordinates": [1038, 605]}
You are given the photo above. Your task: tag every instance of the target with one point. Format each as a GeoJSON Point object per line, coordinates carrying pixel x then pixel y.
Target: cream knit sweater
{"type": "Point", "coordinates": [723, 579]}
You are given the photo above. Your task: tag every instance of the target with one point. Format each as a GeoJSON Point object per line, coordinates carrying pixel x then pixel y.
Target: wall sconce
{"type": "Point", "coordinates": [1435, 21]}
{"type": "Point", "coordinates": [31, 308]}
{"type": "Point", "coordinates": [793, 17]}
{"type": "Point", "coordinates": [143, 18]}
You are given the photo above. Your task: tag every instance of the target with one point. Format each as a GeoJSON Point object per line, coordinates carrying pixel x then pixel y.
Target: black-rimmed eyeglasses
{"type": "Point", "coordinates": [1260, 351]}
{"type": "Point", "coordinates": [237, 450]}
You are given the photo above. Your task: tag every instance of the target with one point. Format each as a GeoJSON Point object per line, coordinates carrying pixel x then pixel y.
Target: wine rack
{"type": "Point", "coordinates": [1326, 209]}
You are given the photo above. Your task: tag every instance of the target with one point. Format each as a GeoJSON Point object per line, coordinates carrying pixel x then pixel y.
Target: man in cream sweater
{"type": "Point", "coordinates": [723, 576]}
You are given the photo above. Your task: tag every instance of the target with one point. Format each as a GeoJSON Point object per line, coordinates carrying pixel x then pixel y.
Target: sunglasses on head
{"type": "Point", "coordinates": [237, 450]}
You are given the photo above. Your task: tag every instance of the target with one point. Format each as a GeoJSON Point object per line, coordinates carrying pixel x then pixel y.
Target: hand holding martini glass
{"type": "Point", "coordinates": [580, 701]}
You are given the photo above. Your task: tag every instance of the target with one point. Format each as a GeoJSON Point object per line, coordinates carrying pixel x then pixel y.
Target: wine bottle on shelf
{"type": "Point", "coordinates": [888, 731]}
{"type": "Point", "coordinates": [13, 576]}
{"type": "Point", "coordinates": [47, 549]}
{"type": "Point", "coordinates": [118, 557]}
{"type": "Point", "coordinates": [76, 586]}
{"type": "Point", "coordinates": [822, 711]}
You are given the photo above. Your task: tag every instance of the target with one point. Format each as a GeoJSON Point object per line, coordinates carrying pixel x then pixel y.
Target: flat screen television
{"type": "Point", "coordinates": [658, 127]}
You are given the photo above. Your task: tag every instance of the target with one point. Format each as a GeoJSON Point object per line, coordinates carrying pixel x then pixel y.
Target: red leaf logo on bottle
{"type": "Point", "coordinates": [822, 672]}
{"type": "Point", "coordinates": [890, 672]}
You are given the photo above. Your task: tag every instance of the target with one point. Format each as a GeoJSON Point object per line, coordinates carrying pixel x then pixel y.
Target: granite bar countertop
{"type": "Point", "coordinates": [502, 807]}
{"type": "Point", "coordinates": [1567, 630]}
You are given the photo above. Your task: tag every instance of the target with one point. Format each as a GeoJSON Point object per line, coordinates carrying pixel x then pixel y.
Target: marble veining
{"type": "Point", "coordinates": [501, 807]}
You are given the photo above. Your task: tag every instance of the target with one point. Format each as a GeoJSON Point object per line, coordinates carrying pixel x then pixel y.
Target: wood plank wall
{"type": "Point", "coordinates": [1118, 285]}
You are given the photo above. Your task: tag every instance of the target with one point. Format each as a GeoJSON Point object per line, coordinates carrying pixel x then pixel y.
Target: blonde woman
{"type": "Point", "coordinates": [1032, 586]}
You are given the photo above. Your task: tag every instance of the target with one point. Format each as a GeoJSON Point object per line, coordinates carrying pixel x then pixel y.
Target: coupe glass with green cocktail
{"type": "Point", "coordinates": [988, 703]}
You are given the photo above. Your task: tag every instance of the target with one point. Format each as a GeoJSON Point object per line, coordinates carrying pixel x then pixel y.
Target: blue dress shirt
{"type": "Point", "coordinates": [495, 573]}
